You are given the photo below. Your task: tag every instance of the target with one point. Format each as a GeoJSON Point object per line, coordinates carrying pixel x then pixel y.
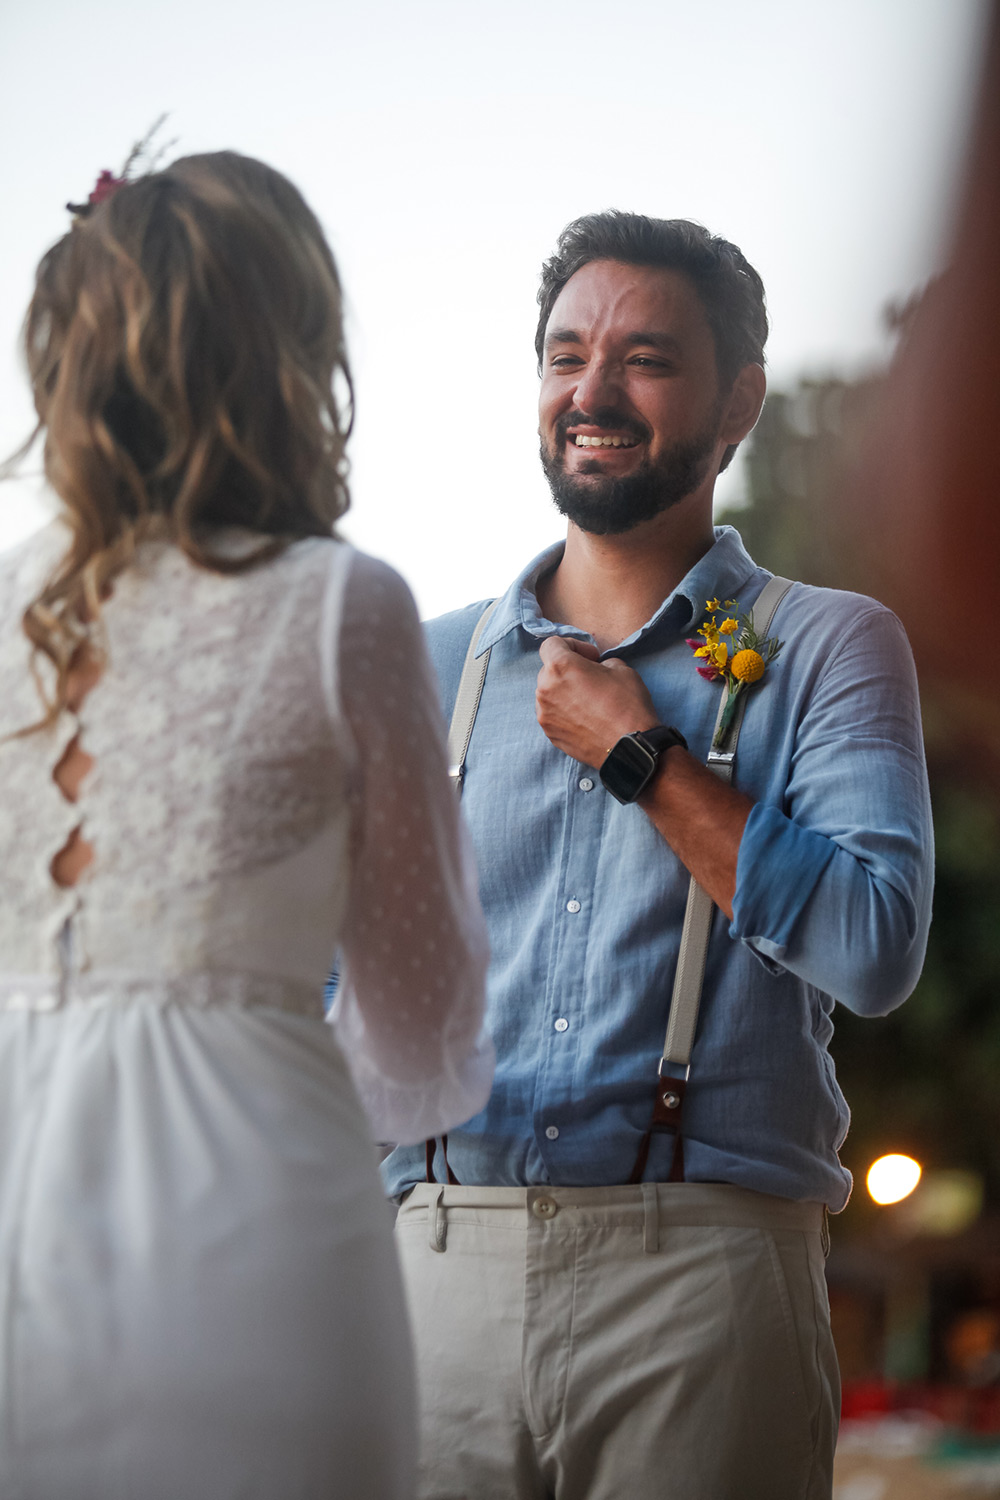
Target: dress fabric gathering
{"type": "Point", "coordinates": [198, 1294]}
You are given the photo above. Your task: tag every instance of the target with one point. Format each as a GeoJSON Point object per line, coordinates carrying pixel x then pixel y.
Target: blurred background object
{"type": "Point", "coordinates": [890, 484]}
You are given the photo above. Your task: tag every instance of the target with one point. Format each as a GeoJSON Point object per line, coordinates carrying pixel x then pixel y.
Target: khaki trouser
{"type": "Point", "coordinates": [660, 1342]}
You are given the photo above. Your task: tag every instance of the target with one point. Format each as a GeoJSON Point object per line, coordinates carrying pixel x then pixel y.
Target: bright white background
{"type": "Point", "coordinates": [445, 143]}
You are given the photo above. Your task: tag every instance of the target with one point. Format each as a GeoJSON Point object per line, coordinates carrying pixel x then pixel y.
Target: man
{"type": "Point", "coordinates": [580, 1333]}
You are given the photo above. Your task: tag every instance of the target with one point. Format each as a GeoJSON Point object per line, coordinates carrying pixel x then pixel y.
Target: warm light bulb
{"type": "Point", "coordinates": [893, 1178]}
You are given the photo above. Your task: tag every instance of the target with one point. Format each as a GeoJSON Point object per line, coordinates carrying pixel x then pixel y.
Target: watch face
{"type": "Point", "coordinates": [627, 769]}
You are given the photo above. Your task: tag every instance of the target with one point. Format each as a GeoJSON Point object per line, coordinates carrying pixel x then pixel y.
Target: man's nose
{"type": "Point", "coordinates": [597, 385]}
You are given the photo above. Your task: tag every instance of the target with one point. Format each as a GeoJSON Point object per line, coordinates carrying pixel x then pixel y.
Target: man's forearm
{"type": "Point", "coordinates": [701, 819]}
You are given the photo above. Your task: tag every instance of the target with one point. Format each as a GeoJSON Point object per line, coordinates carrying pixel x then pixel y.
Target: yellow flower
{"type": "Point", "coordinates": [712, 604]}
{"type": "Point", "coordinates": [710, 632]}
{"type": "Point", "coordinates": [748, 666]}
{"type": "Point", "coordinates": [728, 626]}
{"type": "Point", "coordinates": [720, 655]}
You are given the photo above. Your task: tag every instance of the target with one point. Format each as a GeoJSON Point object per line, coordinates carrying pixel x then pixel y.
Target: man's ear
{"type": "Point", "coordinates": [743, 404]}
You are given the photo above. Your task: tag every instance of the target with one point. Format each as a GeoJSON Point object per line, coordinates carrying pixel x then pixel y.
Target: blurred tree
{"type": "Point", "coordinates": [925, 1079]}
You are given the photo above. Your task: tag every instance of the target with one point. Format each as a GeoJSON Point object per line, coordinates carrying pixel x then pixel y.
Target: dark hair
{"type": "Point", "coordinates": [730, 290]}
{"type": "Point", "coordinates": [182, 342]}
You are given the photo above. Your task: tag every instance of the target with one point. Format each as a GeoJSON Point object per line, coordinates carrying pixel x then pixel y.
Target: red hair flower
{"type": "Point", "coordinates": [106, 185]}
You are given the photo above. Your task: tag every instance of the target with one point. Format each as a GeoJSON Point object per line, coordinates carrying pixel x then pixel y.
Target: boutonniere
{"type": "Point", "coordinates": [731, 650]}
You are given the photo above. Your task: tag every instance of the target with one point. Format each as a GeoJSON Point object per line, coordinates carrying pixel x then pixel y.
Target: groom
{"type": "Point", "coordinates": [601, 1310]}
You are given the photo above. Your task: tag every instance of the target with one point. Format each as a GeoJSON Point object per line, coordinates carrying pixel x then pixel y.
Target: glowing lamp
{"type": "Point", "coordinates": [892, 1178]}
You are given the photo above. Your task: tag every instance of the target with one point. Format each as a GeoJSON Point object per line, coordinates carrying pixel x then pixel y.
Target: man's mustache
{"type": "Point", "coordinates": [604, 416]}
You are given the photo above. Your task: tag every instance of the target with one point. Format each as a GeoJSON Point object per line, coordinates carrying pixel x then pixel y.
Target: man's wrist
{"type": "Point", "coordinates": [633, 761]}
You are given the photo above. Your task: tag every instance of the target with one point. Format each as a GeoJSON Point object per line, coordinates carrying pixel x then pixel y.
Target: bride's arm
{"type": "Point", "coordinates": [409, 1009]}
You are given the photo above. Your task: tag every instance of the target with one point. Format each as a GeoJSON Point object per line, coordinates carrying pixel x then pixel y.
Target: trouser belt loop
{"type": "Point", "coordinates": [650, 1218]}
{"type": "Point", "coordinates": [436, 1221]}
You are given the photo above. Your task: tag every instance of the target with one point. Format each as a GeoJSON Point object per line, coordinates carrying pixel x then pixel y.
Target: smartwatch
{"type": "Point", "coordinates": [631, 764]}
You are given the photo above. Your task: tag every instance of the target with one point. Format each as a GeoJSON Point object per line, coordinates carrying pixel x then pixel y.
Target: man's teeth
{"type": "Point", "coordinates": [604, 442]}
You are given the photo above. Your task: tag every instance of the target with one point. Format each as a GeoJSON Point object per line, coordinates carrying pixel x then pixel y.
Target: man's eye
{"type": "Point", "coordinates": [646, 361]}
{"type": "Point", "coordinates": [565, 361]}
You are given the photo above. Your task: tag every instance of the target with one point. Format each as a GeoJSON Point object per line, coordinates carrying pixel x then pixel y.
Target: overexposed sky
{"type": "Point", "coordinates": [444, 144]}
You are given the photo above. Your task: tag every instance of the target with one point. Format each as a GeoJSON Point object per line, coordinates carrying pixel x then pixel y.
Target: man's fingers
{"type": "Point", "coordinates": [555, 646]}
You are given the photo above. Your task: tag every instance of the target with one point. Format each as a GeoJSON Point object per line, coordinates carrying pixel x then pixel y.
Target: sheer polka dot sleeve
{"type": "Point", "coordinates": [409, 1008]}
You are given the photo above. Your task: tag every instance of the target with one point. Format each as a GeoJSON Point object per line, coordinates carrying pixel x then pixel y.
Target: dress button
{"type": "Point", "coordinates": [552, 1131]}
{"type": "Point", "coordinates": [586, 784]}
{"type": "Point", "coordinates": [573, 905]}
{"type": "Point", "coordinates": [544, 1208]}
{"type": "Point", "coordinates": [562, 1024]}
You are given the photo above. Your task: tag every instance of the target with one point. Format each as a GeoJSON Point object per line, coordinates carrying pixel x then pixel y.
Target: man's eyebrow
{"type": "Point", "coordinates": [562, 336]}
{"type": "Point", "coordinates": [648, 338]}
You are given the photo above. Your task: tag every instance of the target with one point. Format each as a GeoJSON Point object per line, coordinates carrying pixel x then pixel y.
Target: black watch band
{"type": "Point", "coordinates": [631, 764]}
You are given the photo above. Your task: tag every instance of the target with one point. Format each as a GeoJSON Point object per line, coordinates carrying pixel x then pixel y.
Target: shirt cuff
{"type": "Point", "coordinates": [777, 871]}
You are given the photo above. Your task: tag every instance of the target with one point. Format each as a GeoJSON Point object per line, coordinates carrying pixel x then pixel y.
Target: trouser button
{"type": "Point", "coordinates": [544, 1208]}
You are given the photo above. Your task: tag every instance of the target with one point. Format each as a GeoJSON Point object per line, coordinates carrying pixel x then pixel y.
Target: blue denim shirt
{"type": "Point", "coordinates": [584, 899]}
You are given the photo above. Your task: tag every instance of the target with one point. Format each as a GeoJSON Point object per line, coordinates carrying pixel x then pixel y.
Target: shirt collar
{"type": "Point", "coordinates": [721, 573]}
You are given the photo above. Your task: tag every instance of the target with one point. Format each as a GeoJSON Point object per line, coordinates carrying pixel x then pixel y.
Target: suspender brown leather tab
{"type": "Point", "coordinates": [667, 1107]}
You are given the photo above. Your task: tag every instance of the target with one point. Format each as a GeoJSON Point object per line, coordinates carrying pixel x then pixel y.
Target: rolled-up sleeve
{"type": "Point", "coordinates": [835, 885]}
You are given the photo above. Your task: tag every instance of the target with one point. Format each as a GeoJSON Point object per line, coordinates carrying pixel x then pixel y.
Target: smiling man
{"type": "Point", "coordinates": [617, 1286]}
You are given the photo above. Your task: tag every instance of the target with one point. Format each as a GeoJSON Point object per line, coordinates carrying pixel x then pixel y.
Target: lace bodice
{"type": "Point", "coordinates": [267, 784]}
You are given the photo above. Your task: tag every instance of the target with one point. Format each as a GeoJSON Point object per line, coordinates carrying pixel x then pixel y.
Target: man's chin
{"type": "Point", "coordinates": [607, 507]}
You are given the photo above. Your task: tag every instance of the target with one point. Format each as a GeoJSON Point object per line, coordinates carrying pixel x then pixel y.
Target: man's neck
{"type": "Point", "coordinates": [609, 586]}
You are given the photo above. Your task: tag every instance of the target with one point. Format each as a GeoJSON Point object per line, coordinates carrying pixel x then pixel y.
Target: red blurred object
{"type": "Point", "coordinates": [106, 186]}
{"type": "Point", "coordinates": [973, 1410]}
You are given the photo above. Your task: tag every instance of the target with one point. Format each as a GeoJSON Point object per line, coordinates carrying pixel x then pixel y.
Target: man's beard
{"type": "Point", "coordinates": [613, 504]}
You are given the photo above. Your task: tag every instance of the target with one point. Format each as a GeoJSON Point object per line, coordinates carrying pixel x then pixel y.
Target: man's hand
{"type": "Point", "coordinates": [585, 705]}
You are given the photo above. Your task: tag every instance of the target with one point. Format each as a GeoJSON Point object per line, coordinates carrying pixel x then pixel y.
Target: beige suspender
{"type": "Point", "coordinates": [686, 998]}
{"type": "Point", "coordinates": [685, 1002]}
{"type": "Point", "coordinates": [470, 690]}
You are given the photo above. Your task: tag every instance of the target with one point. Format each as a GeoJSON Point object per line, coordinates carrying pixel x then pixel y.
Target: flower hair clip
{"type": "Point", "coordinates": [108, 183]}
{"type": "Point", "coordinates": [731, 651]}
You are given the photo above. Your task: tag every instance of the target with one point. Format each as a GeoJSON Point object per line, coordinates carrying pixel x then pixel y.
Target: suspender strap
{"type": "Point", "coordinates": [689, 977]}
{"type": "Point", "coordinates": [470, 690]}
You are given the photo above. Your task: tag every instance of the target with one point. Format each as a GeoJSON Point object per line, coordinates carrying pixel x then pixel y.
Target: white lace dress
{"type": "Point", "coordinates": [198, 1295]}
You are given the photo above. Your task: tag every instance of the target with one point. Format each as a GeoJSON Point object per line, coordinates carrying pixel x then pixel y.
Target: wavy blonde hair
{"type": "Point", "coordinates": [183, 342]}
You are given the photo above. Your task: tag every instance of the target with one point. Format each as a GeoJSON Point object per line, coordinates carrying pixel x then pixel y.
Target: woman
{"type": "Point", "coordinates": [219, 759]}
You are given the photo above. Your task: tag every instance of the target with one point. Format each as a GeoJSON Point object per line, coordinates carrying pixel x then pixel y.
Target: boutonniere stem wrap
{"type": "Point", "coordinates": [730, 650]}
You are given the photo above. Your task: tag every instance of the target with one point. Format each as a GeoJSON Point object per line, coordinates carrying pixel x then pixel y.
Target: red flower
{"type": "Point", "coordinates": [106, 186]}
{"type": "Point", "coordinates": [709, 673]}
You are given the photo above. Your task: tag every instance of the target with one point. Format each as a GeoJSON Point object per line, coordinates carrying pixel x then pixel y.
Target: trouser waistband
{"type": "Point", "coordinates": [652, 1206]}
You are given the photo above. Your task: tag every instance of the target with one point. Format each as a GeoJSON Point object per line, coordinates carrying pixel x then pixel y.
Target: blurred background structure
{"type": "Point", "coordinates": [890, 484]}
{"type": "Point", "coordinates": [444, 145]}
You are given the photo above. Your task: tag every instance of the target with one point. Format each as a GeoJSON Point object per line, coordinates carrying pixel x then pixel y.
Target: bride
{"type": "Point", "coordinates": [220, 760]}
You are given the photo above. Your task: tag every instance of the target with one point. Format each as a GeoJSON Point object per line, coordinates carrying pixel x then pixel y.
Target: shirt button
{"type": "Point", "coordinates": [562, 1024]}
{"type": "Point", "coordinates": [544, 1208]}
{"type": "Point", "coordinates": [552, 1131]}
{"type": "Point", "coordinates": [586, 784]}
{"type": "Point", "coordinates": [573, 905]}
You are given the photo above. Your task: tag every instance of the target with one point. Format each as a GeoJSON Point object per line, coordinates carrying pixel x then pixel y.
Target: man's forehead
{"type": "Point", "coordinates": [643, 304]}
